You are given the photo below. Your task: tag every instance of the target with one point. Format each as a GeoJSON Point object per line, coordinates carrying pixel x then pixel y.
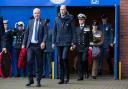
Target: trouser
{"type": "Point", "coordinates": [105, 55]}
{"type": "Point", "coordinates": [63, 52]}
{"type": "Point", "coordinates": [94, 67]}
{"type": "Point", "coordinates": [17, 57]}
{"type": "Point", "coordinates": [34, 55]}
{"type": "Point", "coordinates": [47, 64]}
{"type": "Point", "coordinates": [83, 64]}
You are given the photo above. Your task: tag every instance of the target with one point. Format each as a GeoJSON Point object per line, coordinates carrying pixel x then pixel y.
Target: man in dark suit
{"type": "Point", "coordinates": [106, 28]}
{"type": "Point", "coordinates": [63, 37]}
{"type": "Point", "coordinates": [48, 52]}
{"type": "Point", "coordinates": [83, 39]}
{"type": "Point", "coordinates": [34, 40]}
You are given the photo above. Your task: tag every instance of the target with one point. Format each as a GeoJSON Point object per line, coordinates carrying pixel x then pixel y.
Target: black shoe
{"type": "Point", "coordinates": [61, 82]}
{"type": "Point", "coordinates": [87, 76]}
{"type": "Point", "coordinates": [18, 75]}
{"type": "Point", "coordinates": [79, 79]}
{"type": "Point", "coordinates": [29, 84]}
{"type": "Point", "coordinates": [99, 73]}
{"type": "Point", "coordinates": [38, 85]}
{"type": "Point", "coordinates": [66, 81]}
{"type": "Point", "coordinates": [43, 76]}
{"type": "Point", "coordinates": [94, 77]}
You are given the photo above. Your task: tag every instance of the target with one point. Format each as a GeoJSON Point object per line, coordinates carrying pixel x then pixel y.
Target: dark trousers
{"type": "Point", "coordinates": [62, 52]}
{"type": "Point", "coordinates": [17, 58]}
{"type": "Point", "coordinates": [105, 54]}
{"type": "Point", "coordinates": [0, 47]}
{"type": "Point", "coordinates": [47, 64]}
{"type": "Point", "coordinates": [34, 55]}
{"type": "Point", "coordinates": [82, 64]}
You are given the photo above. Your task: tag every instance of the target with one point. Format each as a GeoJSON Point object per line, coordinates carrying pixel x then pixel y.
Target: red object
{"type": "Point", "coordinates": [2, 73]}
{"type": "Point", "coordinates": [90, 55]}
{"type": "Point", "coordinates": [22, 58]}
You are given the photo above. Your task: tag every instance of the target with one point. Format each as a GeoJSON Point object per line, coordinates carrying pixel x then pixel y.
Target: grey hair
{"type": "Point", "coordinates": [36, 9]}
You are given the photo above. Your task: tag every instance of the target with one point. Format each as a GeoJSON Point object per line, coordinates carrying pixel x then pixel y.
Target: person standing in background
{"type": "Point", "coordinates": [106, 28]}
{"type": "Point", "coordinates": [2, 36]}
{"type": "Point", "coordinates": [19, 32]}
{"type": "Point", "coordinates": [97, 42]}
{"type": "Point", "coordinates": [48, 52]}
{"type": "Point", "coordinates": [8, 36]}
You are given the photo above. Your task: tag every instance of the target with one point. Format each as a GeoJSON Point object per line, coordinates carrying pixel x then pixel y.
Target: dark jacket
{"type": "Point", "coordinates": [107, 34]}
{"type": "Point", "coordinates": [9, 39]}
{"type": "Point", "coordinates": [83, 38]}
{"type": "Point", "coordinates": [49, 41]}
{"type": "Point", "coordinates": [2, 37]}
{"type": "Point", "coordinates": [64, 30]}
{"type": "Point", "coordinates": [19, 37]}
{"type": "Point", "coordinates": [42, 33]}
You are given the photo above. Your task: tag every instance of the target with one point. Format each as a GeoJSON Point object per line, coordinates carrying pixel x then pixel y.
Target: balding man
{"type": "Point", "coordinates": [63, 39]}
{"type": "Point", "coordinates": [34, 41]}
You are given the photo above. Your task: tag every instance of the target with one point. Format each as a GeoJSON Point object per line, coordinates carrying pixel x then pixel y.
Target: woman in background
{"type": "Point", "coordinates": [97, 41]}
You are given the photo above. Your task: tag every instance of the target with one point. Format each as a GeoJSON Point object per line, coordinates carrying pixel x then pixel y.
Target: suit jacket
{"type": "Point", "coordinates": [42, 33]}
{"type": "Point", "coordinates": [49, 41]}
{"type": "Point", "coordinates": [2, 35]}
{"type": "Point", "coordinates": [83, 38]}
{"type": "Point", "coordinates": [64, 30]}
{"type": "Point", "coordinates": [19, 37]}
{"type": "Point", "coordinates": [107, 34]}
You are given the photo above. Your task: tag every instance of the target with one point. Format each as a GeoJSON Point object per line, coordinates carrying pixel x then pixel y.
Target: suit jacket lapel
{"type": "Point", "coordinates": [31, 26]}
{"type": "Point", "coordinates": [39, 28]}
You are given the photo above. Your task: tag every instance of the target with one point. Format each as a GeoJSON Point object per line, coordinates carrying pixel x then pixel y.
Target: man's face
{"type": "Point", "coordinates": [5, 26]}
{"type": "Point", "coordinates": [104, 20]}
{"type": "Point", "coordinates": [94, 26]}
{"type": "Point", "coordinates": [81, 21]}
{"type": "Point", "coordinates": [63, 10]}
{"type": "Point", "coordinates": [20, 27]}
{"type": "Point", "coordinates": [36, 14]}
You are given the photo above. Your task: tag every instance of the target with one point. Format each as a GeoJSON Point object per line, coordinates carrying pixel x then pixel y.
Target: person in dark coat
{"type": "Point", "coordinates": [48, 52]}
{"type": "Point", "coordinates": [19, 32]}
{"type": "Point", "coordinates": [106, 28]}
{"type": "Point", "coordinates": [83, 39]}
{"type": "Point", "coordinates": [63, 38]}
{"type": "Point", "coordinates": [34, 41]}
{"type": "Point", "coordinates": [8, 36]}
{"type": "Point", "coordinates": [2, 36]}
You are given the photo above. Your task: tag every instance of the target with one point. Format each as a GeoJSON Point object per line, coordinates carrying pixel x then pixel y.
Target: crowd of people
{"type": "Point", "coordinates": [40, 41]}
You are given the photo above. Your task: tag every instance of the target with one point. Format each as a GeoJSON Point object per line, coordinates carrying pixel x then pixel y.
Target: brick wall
{"type": "Point", "coordinates": [124, 36]}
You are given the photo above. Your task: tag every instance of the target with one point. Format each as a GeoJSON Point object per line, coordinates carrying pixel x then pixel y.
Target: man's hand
{"type": "Point", "coordinates": [42, 45]}
{"type": "Point", "coordinates": [53, 46]}
{"type": "Point", "coordinates": [4, 50]}
{"type": "Point", "coordinates": [111, 44]}
{"type": "Point", "coordinates": [72, 47]}
{"type": "Point", "coordinates": [23, 46]}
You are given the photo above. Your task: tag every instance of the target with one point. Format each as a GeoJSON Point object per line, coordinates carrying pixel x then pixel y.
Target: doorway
{"type": "Point", "coordinates": [92, 13]}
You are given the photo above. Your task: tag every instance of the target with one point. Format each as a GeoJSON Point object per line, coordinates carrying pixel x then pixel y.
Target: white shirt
{"type": "Point", "coordinates": [33, 34]}
{"type": "Point", "coordinates": [81, 26]}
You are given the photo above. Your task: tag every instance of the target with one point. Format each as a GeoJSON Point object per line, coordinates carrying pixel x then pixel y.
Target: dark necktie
{"type": "Point", "coordinates": [36, 30]}
{"type": "Point", "coordinates": [81, 27]}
